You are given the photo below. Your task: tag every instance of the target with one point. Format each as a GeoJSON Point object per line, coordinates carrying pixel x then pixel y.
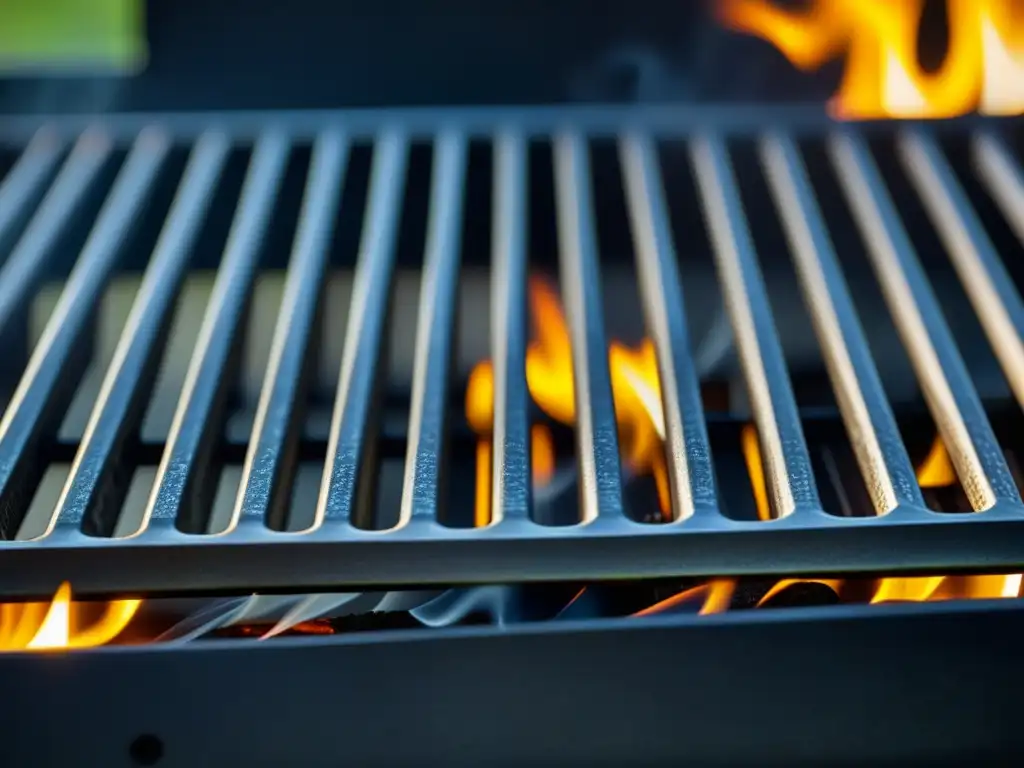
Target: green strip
{"type": "Point", "coordinates": [57, 34]}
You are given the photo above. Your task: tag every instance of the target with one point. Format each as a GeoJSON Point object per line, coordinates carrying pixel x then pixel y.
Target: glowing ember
{"type": "Point", "coordinates": [983, 68]}
{"type": "Point", "coordinates": [549, 377]}
{"type": "Point", "coordinates": [56, 625]}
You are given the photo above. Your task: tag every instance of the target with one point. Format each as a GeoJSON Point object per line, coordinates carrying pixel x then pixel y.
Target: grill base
{"type": "Point", "coordinates": [802, 687]}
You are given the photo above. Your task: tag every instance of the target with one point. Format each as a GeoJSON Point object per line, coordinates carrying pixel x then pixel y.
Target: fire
{"type": "Point", "coordinates": [549, 376]}
{"type": "Point", "coordinates": [936, 471]}
{"type": "Point", "coordinates": [983, 68]}
{"type": "Point", "coordinates": [715, 597]}
{"type": "Point", "coordinates": [59, 623]}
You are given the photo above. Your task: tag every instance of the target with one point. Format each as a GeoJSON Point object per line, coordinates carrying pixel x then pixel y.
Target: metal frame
{"type": "Point", "coordinates": [335, 553]}
{"type": "Point", "coordinates": [928, 684]}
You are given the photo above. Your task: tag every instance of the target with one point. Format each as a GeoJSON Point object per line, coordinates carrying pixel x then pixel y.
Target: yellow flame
{"type": "Point", "coordinates": [983, 68]}
{"type": "Point", "coordinates": [54, 625]}
{"type": "Point", "coordinates": [936, 471]}
{"type": "Point", "coordinates": [755, 469]}
{"type": "Point", "coordinates": [636, 392]}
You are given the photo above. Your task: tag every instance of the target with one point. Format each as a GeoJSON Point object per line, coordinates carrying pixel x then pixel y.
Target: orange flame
{"type": "Point", "coordinates": [56, 625]}
{"type": "Point", "coordinates": [983, 68]}
{"type": "Point", "coordinates": [636, 391]}
{"type": "Point", "coordinates": [936, 471]}
{"type": "Point", "coordinates": [715, 596]}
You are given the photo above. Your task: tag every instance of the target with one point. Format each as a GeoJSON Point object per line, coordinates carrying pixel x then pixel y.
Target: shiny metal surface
{"type": "Point", "coordinates": [345, 470]}
{"type": "Point", "coordinates": [94, 483]}
{"type": "Point", "coordinates": [869, 420]}
{"type": "Point", "coordinates": [512, 485]}
{"type": "Point", "coordinates": [421, 492]}
{"type": "Point", "coordinates": [944, 379]}
{"type": "Point", "coordinates": [183, 482]}
{"type": "Point", "coordinates": [177, 548]}
{"type": "Point", "coordinates": [787, 464]}
{"type": "Point", "coordinates": [597, 438]}
{"type": "Point", "coordinates": [57, 362]}
{"type": "Point", "coordinates": [692, 476]}
{"type": "Point", "coordinates": [270, 462]}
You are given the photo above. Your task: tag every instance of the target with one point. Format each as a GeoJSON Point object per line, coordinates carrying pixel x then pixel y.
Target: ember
{"type": "Point", "coordinates": [983, 68]}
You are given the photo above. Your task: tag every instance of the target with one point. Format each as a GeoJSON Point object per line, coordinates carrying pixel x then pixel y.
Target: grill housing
{"type": "Point", "coordinates": [806, 539]}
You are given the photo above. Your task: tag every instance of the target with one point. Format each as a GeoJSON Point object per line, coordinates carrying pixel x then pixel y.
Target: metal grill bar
{"type": "Point", "coordinates": [58, 362]}
{"type": "Point", "coordinates": [691, 476]}
{"type": "Point", "coordinates": [988, 285]}
{"type": "Point", "coordinates": [26, 180]}
{"type": "Point", "coordinates": [511, 486]}
{"type": "Point", "coordinates": [788, 466]}
{"type": "Point", "coordinates": [944, 379]}
{"type": "Point", "coordinates": [98, 478]}
{"type": "Point", "coordinates": [421, 493]}
{"type": "Point", "coordinates": [23, 269]}
{"type": "Point", "coordinates": [868, 418]}
{"type": "Point", "coordinates": [1002, 173]}
{"type": "Point", "coordinates": [357, 381]}
{"type": "Point", "coordinates": [185, 479]}
{"type": "Point", "coordinates": [597, 440]}
{"type": "Point", "coordinates": [269, 468]}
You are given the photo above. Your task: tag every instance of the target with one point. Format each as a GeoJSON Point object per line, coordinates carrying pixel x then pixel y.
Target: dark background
{"type": "Point", "coordinates": [255, 54]}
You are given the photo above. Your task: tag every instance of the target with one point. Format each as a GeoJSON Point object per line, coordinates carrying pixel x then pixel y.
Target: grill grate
{"type": "Point", "coordinates": [171, 551]}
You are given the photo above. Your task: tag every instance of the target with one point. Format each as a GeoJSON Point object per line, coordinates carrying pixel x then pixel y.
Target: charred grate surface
{"type": "Point", "coordinates": [57, 168]}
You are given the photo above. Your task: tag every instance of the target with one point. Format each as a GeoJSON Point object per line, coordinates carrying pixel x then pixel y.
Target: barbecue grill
{"type": "Point", "coordinates": [238, 352]}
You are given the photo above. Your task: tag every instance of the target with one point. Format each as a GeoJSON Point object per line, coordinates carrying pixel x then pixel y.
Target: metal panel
{"type": "Point", "coordinates": [818, 689]}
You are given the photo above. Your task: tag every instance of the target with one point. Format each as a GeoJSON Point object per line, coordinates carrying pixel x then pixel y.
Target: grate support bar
{"type": "Point", "coordinates": [597, 440]}
{"type": "Point", "coordinates": [943, 377]}
{"type": "Point", "coordinates": [268, 472]}
{"type": "Point", "coordinates": [787, 463]}
{"type": "Point", "coordinates": [184, 482]}
{"type": "Point", "coordinates": [691, 475]}
{"type": "Point", "coordinates": [868, 418]}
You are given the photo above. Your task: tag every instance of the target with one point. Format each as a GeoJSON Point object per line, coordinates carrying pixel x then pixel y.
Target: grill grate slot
{"type": "Point", "coordinates": [236, 497]}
